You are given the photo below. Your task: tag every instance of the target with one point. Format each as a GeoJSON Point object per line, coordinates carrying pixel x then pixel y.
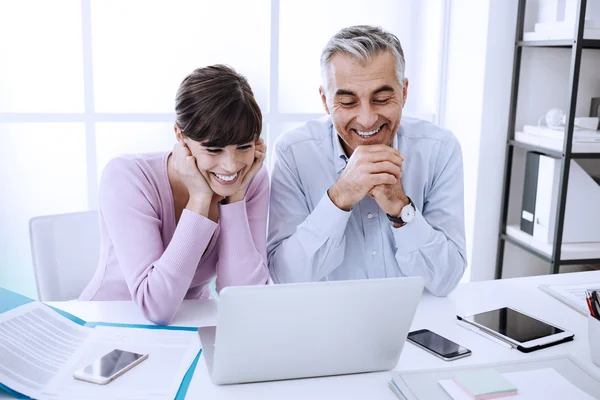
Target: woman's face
{"type": "Point", "coordinates": [223, 167]}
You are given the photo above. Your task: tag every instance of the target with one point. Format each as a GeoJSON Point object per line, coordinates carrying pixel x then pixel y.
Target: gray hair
{"type": "Point", "coordinates": [363, 42]}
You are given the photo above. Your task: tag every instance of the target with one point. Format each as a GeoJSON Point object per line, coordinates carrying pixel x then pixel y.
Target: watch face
{"type": "Point", "coordinates": [408, 213]}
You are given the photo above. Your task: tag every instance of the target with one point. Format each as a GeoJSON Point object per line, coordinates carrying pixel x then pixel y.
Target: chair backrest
{"type": "Point", "coordinates": [65, 249]}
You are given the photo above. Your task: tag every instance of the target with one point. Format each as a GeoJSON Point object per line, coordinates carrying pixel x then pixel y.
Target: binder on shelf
{"type": "Point", "coordinates": [540, 201]}
{"type": "Point", "coordinates": [532, 163]}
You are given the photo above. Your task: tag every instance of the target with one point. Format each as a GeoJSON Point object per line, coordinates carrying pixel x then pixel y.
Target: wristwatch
{"type": "Point", "coordinates": [406, 215]}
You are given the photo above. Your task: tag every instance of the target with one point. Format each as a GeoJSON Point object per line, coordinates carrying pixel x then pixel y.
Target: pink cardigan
{"type": "Point", "coordinates": [148, 258]}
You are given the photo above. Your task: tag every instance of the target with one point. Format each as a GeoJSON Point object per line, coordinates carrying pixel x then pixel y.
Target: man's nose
{"type": "Point", "coordinates": [366, 117]}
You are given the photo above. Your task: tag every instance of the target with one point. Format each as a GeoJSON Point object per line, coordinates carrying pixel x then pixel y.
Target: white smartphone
{"type": "Point", "coordinates": [438, 345]}
{"type": "Point", "coordinates": [522, 331]}
{"type": "Point", "coordinates": [109, 366]}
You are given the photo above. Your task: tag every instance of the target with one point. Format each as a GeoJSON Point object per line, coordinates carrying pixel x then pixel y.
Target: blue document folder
{"type": "Point", "coordinates": [10, 300]}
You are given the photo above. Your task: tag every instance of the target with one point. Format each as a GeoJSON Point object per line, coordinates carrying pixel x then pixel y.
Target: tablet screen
{"type": "Point", "coordinates": [515, 325]}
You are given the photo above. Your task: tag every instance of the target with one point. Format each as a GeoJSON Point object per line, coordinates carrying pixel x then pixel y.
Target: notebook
{"type": "Point", "coordinates": [484, 384]}
{"type": "Point", "coordinates": [556, 377]}
{"type": "Point", "coordinates": [544, 383]}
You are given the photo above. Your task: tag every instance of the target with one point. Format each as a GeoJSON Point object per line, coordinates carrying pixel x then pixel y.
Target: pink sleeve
{"type": "Point", "coordinates": [242, 240]}
{"type": "Point", "coordinates": [157, 277]}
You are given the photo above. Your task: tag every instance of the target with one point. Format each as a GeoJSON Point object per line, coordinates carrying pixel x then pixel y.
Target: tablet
{"type": "Point", "coordinates": [523, 331]}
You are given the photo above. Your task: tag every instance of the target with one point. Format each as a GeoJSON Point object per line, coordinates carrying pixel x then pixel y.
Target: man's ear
{"type": "Point", "coordinates": [323, 99]}
{"type": "Point", "coordinates": [178, 133]}
{"type": "Point", "coordinates": [404, 92]}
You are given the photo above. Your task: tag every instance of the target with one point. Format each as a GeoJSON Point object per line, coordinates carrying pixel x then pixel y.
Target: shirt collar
{"type": "Point", "coordinates": [340, 158]}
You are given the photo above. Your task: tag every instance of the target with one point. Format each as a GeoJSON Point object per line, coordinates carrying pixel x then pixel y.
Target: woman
{"type": "Point", "coordinates": [170, 221]}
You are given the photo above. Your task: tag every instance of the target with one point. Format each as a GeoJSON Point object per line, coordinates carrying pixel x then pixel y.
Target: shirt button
{"type": "Point", "coordinates": [369, 215]}
{"type": "Point", "coordinates": [374, 252]}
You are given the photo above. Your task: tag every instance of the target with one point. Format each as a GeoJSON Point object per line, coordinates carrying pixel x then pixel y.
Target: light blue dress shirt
{"type": "Point", "coordinates": [310, 239]}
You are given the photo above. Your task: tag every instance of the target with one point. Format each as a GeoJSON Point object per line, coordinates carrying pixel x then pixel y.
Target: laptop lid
{"type": "Point", "coordinates": [302, 330]}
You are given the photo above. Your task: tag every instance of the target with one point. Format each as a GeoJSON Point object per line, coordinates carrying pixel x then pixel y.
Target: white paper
{"type": "Point", "coordinates": [572, 295]}
{"type": "Point", "coordinates": [35, 343]}
{"type": "Point", "coordinates": [40, 350]}
{"type": "Point", "coordinates": [159, 376]}
{"type": "Point", "coordinates": [536, 384]}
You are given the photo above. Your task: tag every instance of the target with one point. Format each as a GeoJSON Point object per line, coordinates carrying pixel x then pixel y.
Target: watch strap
{"type": "Point", "coordinates": [398, 219]}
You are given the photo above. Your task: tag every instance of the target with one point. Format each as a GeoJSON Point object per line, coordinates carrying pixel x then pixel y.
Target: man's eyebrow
{"type": "Point", "coordinates": [384, 88]}
{"type": "Point", "coordinates": [343, 92]}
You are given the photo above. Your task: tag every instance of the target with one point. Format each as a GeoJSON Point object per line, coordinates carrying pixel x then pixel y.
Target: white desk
{"type": "Point", "coordinates": [437, 314]}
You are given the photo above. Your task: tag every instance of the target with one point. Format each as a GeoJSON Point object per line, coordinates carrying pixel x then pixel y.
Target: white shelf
{"type": "Point", "coordinates": [569, 251]}
{"type": "Point", "coordinates": [557, 143]}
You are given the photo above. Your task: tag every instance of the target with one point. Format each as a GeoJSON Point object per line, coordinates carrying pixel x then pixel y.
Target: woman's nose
{"type": "Point", "coordinates": [230, 164]}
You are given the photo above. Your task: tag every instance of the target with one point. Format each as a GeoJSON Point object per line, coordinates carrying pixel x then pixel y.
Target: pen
{"type": "Point", "coordinates": [596, 303]}
{"type": "Point", "coordinates": [589, 304]}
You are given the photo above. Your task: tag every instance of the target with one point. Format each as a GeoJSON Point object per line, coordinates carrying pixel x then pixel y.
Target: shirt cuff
{"type": "Point", "coordinates": [329, 219]}
{"type": "Point", "coordinates": [413, 235]}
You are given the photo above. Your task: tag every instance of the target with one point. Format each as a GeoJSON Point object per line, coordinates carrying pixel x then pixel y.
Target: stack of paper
{"type": "Point", "coordinates": [558, 30]}
{"type": "Point", "coordinates": [584, 141]}
{"type": "Point", "coordinates": [578, 133]}
{"type": "Point", "coordinates": [536, 384]}
{"type": "Point", "coordinates": [40, 349]}
{"type": "Point", "coordinates": [572, 295]}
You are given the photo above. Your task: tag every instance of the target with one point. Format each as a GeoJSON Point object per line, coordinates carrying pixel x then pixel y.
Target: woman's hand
{"type": "Point", "coordinates": [184, 163]}
{"type": "Point", "coordinates": [260, 152]}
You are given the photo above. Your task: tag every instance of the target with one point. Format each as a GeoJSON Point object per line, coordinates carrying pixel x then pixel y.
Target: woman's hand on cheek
{"type": "Point", "coordinates": [184, 164]}
{"type": "Point", "coordinates": [260, 152]}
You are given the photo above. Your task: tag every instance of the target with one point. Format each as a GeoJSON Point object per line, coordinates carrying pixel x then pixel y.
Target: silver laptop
{"type": "Point", "coordinates": [301, 330]}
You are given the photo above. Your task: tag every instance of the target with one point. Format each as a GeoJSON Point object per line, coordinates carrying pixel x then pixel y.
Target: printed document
{"type": "Point", "coordinates": [40, 349]}
{"type": "Point", "coordinates": [572, 295]}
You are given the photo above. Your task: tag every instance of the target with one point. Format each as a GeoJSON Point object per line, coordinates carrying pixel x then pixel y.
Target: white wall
{"type": "Point", "coordinates": [494, 121]}
{"type": "Point", "coordinates": [462, 112]}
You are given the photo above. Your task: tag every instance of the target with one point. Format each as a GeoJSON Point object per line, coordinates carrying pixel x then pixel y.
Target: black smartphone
{"type": "Point", "coordinates": [438, 345]}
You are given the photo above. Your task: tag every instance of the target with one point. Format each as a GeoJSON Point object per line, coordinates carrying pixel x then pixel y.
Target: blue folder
{"type": "Point", "coordinates": [10, 300]}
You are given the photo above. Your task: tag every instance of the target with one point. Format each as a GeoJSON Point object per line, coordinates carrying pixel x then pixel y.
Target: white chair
{"type": "Point", "coordinates": [65, 249]}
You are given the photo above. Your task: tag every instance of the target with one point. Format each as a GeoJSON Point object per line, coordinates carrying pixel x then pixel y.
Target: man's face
{"type": "Point", "coordinates": [365, 101]}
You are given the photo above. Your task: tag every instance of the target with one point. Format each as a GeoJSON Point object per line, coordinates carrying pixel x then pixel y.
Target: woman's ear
{"type": "Point", "coordinates": [178, 134]}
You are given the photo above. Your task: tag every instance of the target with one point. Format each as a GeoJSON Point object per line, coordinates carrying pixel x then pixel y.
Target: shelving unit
{"type": "Point", "coordinates": [556, 254]}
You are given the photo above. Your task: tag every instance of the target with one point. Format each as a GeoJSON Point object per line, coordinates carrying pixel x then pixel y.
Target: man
{"type": "Point", "coordinates": [363, 192]}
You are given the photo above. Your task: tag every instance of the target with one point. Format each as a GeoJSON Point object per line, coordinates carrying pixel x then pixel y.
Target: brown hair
{"type": "Point", "coordinates": [215, 105]}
